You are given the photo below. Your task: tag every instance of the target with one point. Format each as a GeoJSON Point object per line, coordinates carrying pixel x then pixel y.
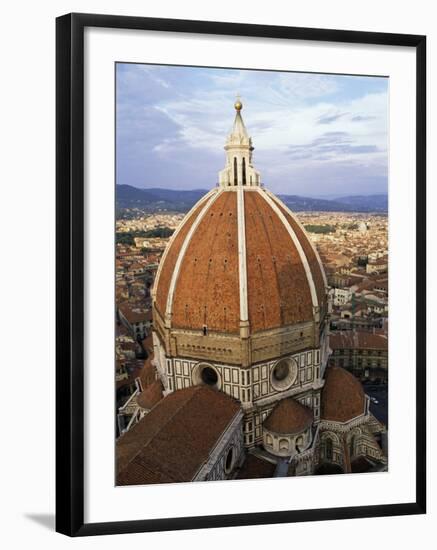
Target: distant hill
{"type": "Point", "coordinates": [152, 200]}
{"type": "Point", "coordinates": [303, 204]}
{"type": "Point", "coordinates": [353, 203]}
{"type": "Point", "coordinates": [128, 196]}
{"type": "Point", "coordinates": [378, 203]}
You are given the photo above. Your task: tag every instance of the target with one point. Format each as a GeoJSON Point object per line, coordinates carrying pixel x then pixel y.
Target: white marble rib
{"type": "Point", "coordinates": [278, 201]}
{"type": "Point", "coordinates": [242, 263]}
{"type": "Point", "coordinates": [296, 242]}
{"type": "Point", "coordinates": [184, 247]}
{"type": "Point", "coordinates": [173, 237]}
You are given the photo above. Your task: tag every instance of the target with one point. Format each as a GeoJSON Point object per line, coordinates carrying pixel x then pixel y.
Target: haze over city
{"type": "Point", "coordinates": [314, 134]}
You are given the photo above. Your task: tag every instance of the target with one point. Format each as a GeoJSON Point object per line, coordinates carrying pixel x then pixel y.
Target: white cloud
{"type": "Point", "coordinates": [287, 115]}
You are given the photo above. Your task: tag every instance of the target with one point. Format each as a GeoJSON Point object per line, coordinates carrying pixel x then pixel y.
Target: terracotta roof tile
{"type": "Point", "coordinates": [277, 286]}
{"type": "Point", "coordinates": [207, 288]}
{"type": "Point", "coordinates": [309, 253]}
{"type": "Point", "coordinates": [255, 468]}
{"type": "Point", "coordinates": [148, 343]}
{"type": "Point", "coordinates": [175, 438]}
{"type": "Point", "coordinates": [151, 395]}
{"type": "Point", "coordinates": [147, 373]}
{"type": "Point", "coordinates": [163, 283]}
{"type": "Point", "coordinates": [358, 340]}
{"type": "Point", "coordinates": [132, 315]}
{"type": "Point", "coordinates": [342, 396]}
{"type": "Point", "coordinates": [289, 417]}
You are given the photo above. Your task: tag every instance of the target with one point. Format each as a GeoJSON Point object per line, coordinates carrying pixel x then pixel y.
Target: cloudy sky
{"type": "Point", "coordinates": [314, 134]}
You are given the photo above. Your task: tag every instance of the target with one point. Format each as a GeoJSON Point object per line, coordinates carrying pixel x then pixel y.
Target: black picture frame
{"type": "Point", "coordinates": [70, 273]}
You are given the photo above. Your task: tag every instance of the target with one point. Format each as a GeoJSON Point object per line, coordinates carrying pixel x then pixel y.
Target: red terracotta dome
{"type": "Point", "coordinates": [342, 396]}
{"type": "Point", "coordinates": [239, 255]}
{"type": "Point", "coordinates": [289, 417]}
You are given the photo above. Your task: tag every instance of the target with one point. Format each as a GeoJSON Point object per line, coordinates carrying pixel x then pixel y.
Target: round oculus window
{"type": "Point", "coordinates": [206, 374]}
{"type": "Point", "coordinates": [209, 376]}
{"type": "Point", "coordinates": [284, 374]}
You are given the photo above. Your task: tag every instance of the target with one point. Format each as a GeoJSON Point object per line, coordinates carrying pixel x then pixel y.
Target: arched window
{"type": "Point", "coordinates": [203, 373]}
{"type": "Point", "coordinates": [284, 374]}
{"type": "Point", "coordinates": [352, 446]}
{"type": "Point", "coordinates": [244, 171]}
{"type": "Point", "coordinates": [283, 445]}
{"type": "Point", "coordinates": [328, 448]}
{"type": "Point", "coordinates": [299, 444]}
{"type": "Point", "coordinates": [269, 440]}
{"type": "Point", "coordinates": [209, 376]}
{"type": "Point", "coordinates": [235, 171]}
{"type": "Point", "coordinates": [229, 462]}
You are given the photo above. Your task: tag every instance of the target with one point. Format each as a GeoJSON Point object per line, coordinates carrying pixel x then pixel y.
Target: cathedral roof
{"type": "Point", "coordinates": [147, 373]}
{"type": "Point", "coordinates": [239, 255]}
{"type": "Point", "coordinates": [358, 340]}
{"type": "Point", "coordinates": [151, 395]}
{"type": "Point", "coordinates": [173, 441]}
{"type": "Point", "coordinates": [342, 396]}
{"type": "Point", "coordinates": [255, 468]}
{"type": "Point", "coordinates": [289, 417]}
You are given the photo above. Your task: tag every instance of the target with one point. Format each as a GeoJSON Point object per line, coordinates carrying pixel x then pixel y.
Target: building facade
{"type": "Point", "coordinates": [362, 353]}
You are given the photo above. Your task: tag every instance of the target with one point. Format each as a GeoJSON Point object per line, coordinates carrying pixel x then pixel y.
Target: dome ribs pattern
{"type": "Point", "coordinates": [289, 417]}
{"type": "Point", "coordinates": [200, 286]}
{"type": "Point", "coordinates": [164, 276]}
{"type": "Point", "coordinates": [278, 289]}
{"type": "Point", "coordinates": [207, 288]}
{"type": "Point", "coordinates": [312, 258]}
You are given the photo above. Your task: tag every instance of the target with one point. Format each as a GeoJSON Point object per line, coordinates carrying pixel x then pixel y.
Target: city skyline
{"type": "Point", "coordinates": [316, 135]}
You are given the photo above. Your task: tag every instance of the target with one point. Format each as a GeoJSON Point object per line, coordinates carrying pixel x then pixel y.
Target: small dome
{"type": "Point", "coordinates": [342, 396]}
{"type": "Point", "coordinates": [289, 417]}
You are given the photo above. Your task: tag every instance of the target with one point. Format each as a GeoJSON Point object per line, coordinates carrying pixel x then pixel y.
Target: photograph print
{"type": "Point", "coordinates": [251, 274]}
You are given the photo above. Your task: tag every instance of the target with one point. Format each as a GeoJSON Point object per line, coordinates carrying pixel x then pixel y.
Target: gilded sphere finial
{"type": "Point", "coordinates": [238, 105]}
